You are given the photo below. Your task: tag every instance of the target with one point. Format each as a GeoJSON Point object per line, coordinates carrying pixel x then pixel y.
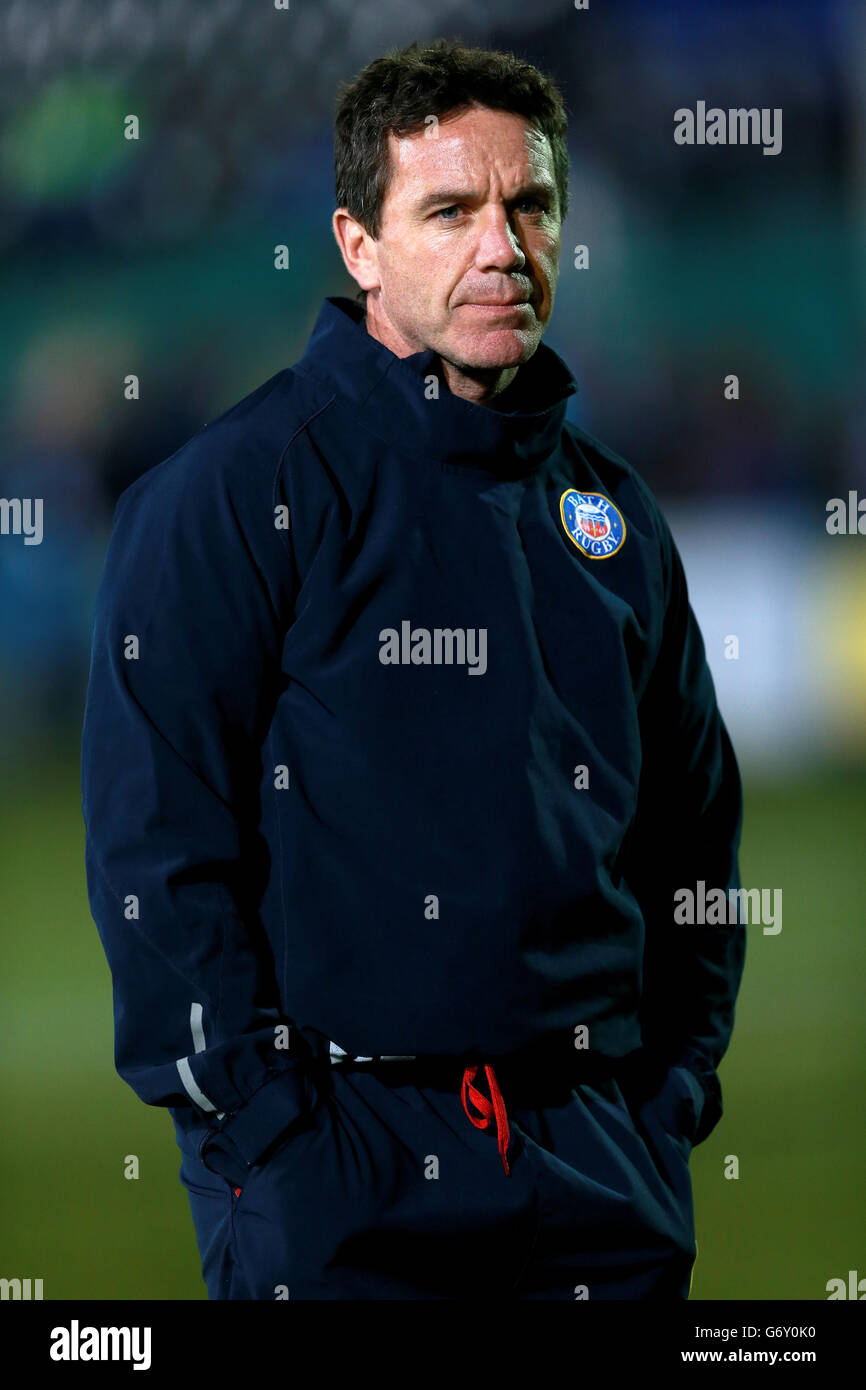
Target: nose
{"type": "Point", "coordinates": [498, 246]}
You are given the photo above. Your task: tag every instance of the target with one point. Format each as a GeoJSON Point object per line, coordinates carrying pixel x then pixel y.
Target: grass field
{"type": "Point", "coordinates": [793, 1077]}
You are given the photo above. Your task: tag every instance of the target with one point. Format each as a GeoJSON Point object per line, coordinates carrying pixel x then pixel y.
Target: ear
{"type": "Point", "coordinates": [357, 248]}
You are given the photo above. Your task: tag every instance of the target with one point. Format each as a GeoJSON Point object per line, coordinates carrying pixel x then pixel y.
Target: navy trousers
{"type": "Point", "coordinates": [390, 1192]}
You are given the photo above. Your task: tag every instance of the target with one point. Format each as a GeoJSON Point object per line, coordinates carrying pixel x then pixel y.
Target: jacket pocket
{"type": "Point", "coordinates": [678, 1104]}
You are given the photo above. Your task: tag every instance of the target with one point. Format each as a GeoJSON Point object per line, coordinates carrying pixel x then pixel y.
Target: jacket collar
{"type": "Point", "coordinates": [394, 395]}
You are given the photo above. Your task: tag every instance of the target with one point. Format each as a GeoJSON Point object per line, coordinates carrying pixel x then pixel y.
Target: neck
{"type": "Point", "coordinates": [482, 386]}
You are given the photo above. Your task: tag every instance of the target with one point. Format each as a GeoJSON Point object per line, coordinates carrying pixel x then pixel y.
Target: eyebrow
{"type": "Point", "coordinates": [447, 196]}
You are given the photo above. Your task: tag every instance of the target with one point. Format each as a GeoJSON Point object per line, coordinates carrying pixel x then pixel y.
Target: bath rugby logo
{"type": "Point", "coordinates": [592, 522]}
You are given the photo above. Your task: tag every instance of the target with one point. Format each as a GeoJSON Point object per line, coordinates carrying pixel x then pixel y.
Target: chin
{"type": "Point", "coordinates": [505, 348]}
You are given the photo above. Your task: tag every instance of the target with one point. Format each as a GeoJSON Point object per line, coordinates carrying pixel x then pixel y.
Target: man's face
{"type": "Point", "coordinates": [468, 251]}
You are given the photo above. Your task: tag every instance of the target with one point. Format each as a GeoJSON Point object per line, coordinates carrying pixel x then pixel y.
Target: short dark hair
{"type": "Point", "coordinates": [395, 93]}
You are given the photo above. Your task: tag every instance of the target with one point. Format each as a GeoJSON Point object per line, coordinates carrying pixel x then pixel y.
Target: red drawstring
{"type": "Point", "coordinates": [497, 1108]}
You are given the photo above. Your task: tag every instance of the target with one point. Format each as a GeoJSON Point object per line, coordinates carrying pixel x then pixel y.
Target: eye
{"type": "Point", "coordinates": [444, 211]}
{"type": "Point", "coordinates": [532, 203]}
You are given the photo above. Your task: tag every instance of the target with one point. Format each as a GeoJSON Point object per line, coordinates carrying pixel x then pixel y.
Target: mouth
{"type": "Point", "coordinates": [505, 306]}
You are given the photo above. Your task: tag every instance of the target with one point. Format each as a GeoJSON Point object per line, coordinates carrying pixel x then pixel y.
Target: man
{"type": "Point", "coordinates": [399, 741]}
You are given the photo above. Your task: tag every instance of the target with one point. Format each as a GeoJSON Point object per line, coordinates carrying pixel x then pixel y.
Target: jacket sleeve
{"type": "Point", "coordinates": [185, 670]}
{"type": "Point", "coordinates": [686, 830]}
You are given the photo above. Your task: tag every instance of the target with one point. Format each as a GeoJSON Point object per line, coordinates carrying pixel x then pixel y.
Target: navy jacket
{"type": "Point", "coordinates": [348, 662]}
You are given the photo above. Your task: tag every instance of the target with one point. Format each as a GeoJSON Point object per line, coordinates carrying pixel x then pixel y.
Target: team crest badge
{"type": "Point", "coordinates": [592, 522]}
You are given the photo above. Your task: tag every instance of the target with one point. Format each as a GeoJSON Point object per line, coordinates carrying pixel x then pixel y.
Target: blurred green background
{"type": "Point", "coordinates": [794, 1077]}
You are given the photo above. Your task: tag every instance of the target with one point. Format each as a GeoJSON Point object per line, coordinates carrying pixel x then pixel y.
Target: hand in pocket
{"type": "Point", "coordinates": [220, 1155]}
{"type": "Point", "coordinates": [678, 1103]}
